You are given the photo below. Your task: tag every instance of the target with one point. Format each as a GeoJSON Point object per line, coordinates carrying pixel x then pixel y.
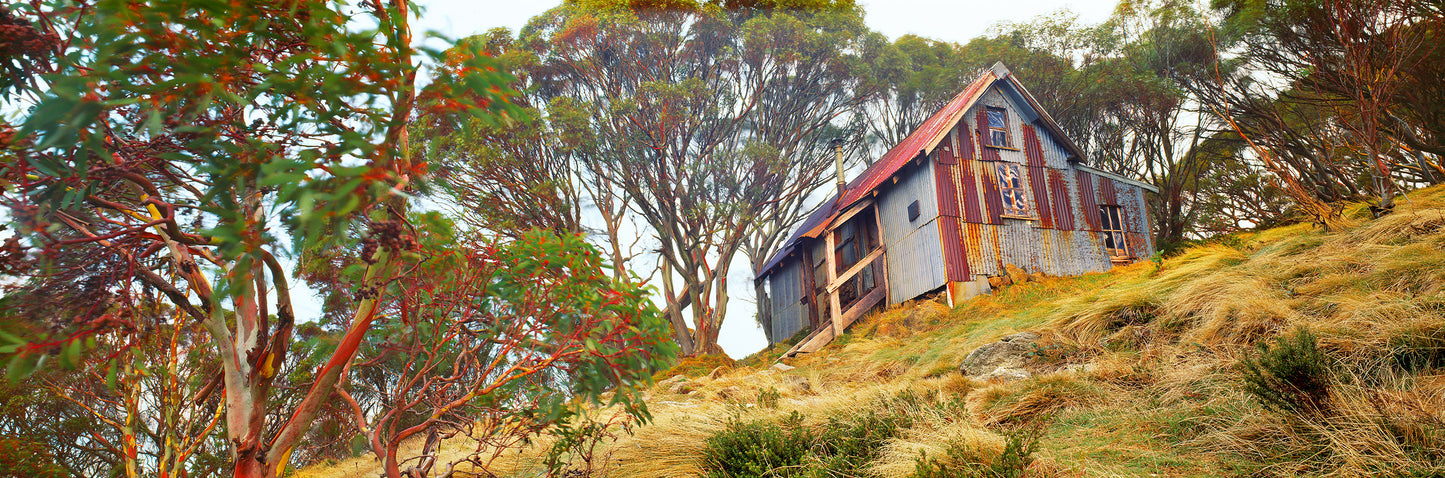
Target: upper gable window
{"type": "Point", "coordinates": [998, 127]}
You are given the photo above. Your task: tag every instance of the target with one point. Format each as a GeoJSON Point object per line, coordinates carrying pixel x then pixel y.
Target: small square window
{"type": "Point", "coordinates": [913, 211]}
{"type": "Point", "coordinates": [998, 132]}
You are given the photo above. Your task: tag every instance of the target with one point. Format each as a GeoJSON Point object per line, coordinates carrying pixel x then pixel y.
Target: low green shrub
{"type": "Point", "coordinates": [841, 447]}
{"type": "Point", "coordinates": [768, 398]}
{"type": "Point", "coordinates": [961, 461]}
{"type": "Point", "coordinates": [1293, 376]}
{"type": "Point", "coordinates": [758, 449]}
{"type": "Point", "coordinates": [847, 444]}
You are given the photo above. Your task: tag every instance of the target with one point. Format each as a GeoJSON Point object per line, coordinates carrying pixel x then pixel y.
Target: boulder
{"type": "Point", "coordinates": [996, 282]}
{"type": "Point", "coordinates": [1009, 353]}
{"type": "Point", "coordinates": [782, 367]}
{"type": "Point", "coordinates": [1016, 274]}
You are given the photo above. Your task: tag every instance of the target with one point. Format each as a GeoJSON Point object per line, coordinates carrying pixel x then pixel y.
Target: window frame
{"type": "Point", "coordinates": [1014, 192]}
{"type": "Point", "coordinates": [1007, 133]}
{"type": "Point", "coordinates": [1111, 227]}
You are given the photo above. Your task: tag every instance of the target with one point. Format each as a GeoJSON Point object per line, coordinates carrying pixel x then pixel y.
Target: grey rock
{"type": "Point", "coordinates": [1006, 375]}
{"type": "Point", "coordinates": [782, 367]}
{"type": "Point", "coordinates": [1011, 352]}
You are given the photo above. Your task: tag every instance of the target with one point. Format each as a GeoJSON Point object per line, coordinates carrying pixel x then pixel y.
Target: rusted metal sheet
{"type": "Point", "coordinates": [1042, 204]}
{"type": "Point", "coordinates": [1032, 149]}
{"type": "Point", "coordinates": [1139, 245]}
{"type": "Point", "coordinates": [1088, 202]}
{"type": "Point", "coordinates": [968, 178]}
{"type": "Point", "coordinates": [954, 260]}
{"type": "Point", "coordinates": [946, 152]}
{"type": "Point", "coordinates": [1132, 198]}
{"type": "Point", "coordinates": [1091, 249]}
{"type": "Point", "coordinates": [945, 184]}
{"type": "Point", "coordinates": [981, 123]}
{"type": "Point", "coordinates": [1018, 241]}
{"type": "Point", "coordinates": [1038, 177]}
{"type": "Point", "coordinates": [988, 179]}
{"type": "Point", "coordinates": [982, 248]}
{"type": "Point", "coordinates": [1059, 192]}
{"type": "Point", "coordinates": [1107, 193]}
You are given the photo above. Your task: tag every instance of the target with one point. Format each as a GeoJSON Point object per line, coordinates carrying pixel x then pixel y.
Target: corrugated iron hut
{"type": "Point", "coordinates": [987, 181]}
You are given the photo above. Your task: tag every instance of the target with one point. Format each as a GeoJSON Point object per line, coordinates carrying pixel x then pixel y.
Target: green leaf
{"type": "Point", "coordinates": [11, 338]}
{"type": "Point", "coordinates": [110, 375]}
{"type": "Point", "coordinates": [20, 367]}
{"type": "Point", "coordinates": [72, 353]}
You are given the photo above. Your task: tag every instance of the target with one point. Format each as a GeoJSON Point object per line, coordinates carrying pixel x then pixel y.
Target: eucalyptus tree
{"type": "Point", "coordinates": [699, 127]}
{"type": "Point", "coordinates": [165, 146]}
{"type": "Point", "coordinates": [1358, 78]}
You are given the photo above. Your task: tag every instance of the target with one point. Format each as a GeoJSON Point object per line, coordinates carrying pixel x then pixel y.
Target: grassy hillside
{"type": "Point", "coordinates": [1283, 352]}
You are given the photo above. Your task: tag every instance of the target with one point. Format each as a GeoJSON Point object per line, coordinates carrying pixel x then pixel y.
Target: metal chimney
{"type": "Point", "coordinates": [837, 144]}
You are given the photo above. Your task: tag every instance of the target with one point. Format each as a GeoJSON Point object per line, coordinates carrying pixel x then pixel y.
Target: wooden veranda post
{"type": "Point", "coordinates": [835, 307]}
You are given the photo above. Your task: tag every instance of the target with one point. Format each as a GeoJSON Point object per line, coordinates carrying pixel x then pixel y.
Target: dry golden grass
{"type": "Point", "coordinates": [1152, 385]}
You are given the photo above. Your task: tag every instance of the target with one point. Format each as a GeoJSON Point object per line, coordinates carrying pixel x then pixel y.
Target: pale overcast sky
{"type": "Point", "coordinates": [954, 21]}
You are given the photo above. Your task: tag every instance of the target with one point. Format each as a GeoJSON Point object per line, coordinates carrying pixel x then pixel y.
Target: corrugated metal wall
{"type": "Point", "coordinates": [1058, 244]}
{"type": "Point", "coordinates": [786, 289]}
{"type": "Point", "coordinates": [914, 256]}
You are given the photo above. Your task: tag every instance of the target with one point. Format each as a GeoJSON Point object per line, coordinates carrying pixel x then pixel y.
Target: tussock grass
{"type": "Point", "coordinates": [1031, 399]}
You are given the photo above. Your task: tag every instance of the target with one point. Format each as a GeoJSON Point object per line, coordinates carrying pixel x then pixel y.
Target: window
{"type": "Point", "coordinates": [1111, 220]}
{"type": "Point", "coordinates": [1011, 187]}
{"type": "Point", "coordinates": [913, 211]}
{"type": "Point", "coordinates": [998, 127]}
